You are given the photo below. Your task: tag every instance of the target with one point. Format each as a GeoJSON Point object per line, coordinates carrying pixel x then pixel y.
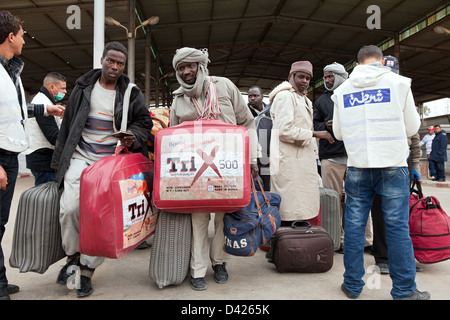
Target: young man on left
{"type": "Point", "coordinates": [13, 117]}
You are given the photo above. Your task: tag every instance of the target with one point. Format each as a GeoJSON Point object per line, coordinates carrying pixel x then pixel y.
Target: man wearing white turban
{"type": "Point", "coordinates": [333, 157]}
{"type": "Point", "coordinates": [194, 100]}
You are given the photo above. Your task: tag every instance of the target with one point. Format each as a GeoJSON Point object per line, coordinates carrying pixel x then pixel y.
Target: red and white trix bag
{"type": "Point", "coordinates": [115, 205]}
{"type": "Point", "coordinates": [202, 166]}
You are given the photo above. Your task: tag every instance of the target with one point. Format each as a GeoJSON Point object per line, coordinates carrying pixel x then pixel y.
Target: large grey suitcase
{"type": "Point", "coordinates": [330, 205]}
{"type": "Point", "coordinates": [171, 249]}
{"type": "Point", "coordinates": [37, 233]}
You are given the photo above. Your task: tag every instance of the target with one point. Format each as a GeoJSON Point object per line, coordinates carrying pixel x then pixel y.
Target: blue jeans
{"type": "Point", "coordinates": [43, 176]}
{"type": "Point", "coordinates": [392, 184]}
{"type": "Point", "coordinates": [11, 166]}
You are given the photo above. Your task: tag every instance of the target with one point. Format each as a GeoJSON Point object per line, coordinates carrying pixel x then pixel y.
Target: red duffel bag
{"type": "Point", "coordinates": [429, 228]}
{"type": "Point", "coordinates": [202, 166]}
{"type": "Point", "coordinates": [115, 205]}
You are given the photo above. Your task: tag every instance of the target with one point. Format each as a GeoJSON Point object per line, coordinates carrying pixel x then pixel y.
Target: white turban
{"type": "Point", "coordinates": [186, 54]}
{"type": "Point", "coordinates": [340, 75]}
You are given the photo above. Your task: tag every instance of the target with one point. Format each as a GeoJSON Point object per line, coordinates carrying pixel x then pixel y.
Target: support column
{"type": "Point", "coordinates": [99, 32]}
{"type": "Point", "coordinates": [148, 63]}
{"type": "Point", "coordinates": [131, 40]}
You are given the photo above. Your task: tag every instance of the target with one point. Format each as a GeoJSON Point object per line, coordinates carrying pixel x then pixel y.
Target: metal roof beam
{"type": "Point", "coordinates": [274, 19]}
{"type": "Point", "coordinates": [62, 8]}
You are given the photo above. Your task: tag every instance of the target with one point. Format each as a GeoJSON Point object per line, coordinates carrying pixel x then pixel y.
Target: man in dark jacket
{"type": "Point", "coordinates": [263, 123]}
{"type": "Point", "coordinates": [439, 153]}
{"type": "Point", "coordinates": [333, 157]}
{"type": "Point", "coordinates": [45, 129]}
{"type": "Point", "coordinates": [93, 110]}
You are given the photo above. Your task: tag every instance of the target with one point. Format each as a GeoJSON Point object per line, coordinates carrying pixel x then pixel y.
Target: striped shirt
{"type": "Point", "coordinates": [96, 141]}
{"type": "Point", "coordinates": [428, 141]}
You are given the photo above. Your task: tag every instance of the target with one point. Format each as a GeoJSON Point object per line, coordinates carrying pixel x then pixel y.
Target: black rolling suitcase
{"type": "Point", "coordinates": [302, 248]}
{"type": "Point", "coordinates": [37, 233]}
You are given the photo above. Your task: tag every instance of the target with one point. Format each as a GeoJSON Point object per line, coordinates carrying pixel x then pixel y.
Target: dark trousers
{"type": "Point", "coordinates": [11, 166]}
{"type": "Point", "coordinates": [440, 170]}
{"type": "Point", "coordinates": [41, 177]}
{"type": "Point", "coordinates": [380, 252]}
{"type": "Point", "coordinates": [431, 168]}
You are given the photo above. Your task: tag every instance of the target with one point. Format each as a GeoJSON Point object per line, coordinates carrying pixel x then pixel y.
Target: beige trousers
{"type": "Point", "coordinates": [70, 212]}
{"type": "Point", "coordinates": [201, 252]}
{"type": "Point", "coordinates": [333, 177]}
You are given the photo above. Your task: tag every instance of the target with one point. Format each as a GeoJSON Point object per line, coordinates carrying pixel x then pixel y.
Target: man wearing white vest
{"type": "Point", "coordinates": [45, 129]}
{"type": "Point", "coordinates": [374, 114]}
{"type": "Point", "coordinates": [13, 119]}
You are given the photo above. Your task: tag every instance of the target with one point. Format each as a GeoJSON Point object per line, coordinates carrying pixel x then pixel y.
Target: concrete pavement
{"type": "Point", "coordinates": [251, 278]}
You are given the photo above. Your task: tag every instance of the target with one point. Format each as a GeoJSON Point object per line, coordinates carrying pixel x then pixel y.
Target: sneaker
{"type": "Point", "coordinates": [432, 177]}
{"type": "Point", "coordinates": [63, 275]}
{"type": "Point", "coordinates": [220, 273]}
{"type": "Point", "coordinates": [417, 295]}
{"type": "Point", "coordinates": [198, 284]}
{"type": "Point", "coordinates": [347, 293]}
{"type": "Point", "coordinates": [85, 287]}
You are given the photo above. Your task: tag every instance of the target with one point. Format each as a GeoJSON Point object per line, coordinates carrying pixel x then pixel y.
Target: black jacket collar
{"type": "Point", "coordinates": [91, 77]}
{"type": "Point", "coordinates": [47, 94]}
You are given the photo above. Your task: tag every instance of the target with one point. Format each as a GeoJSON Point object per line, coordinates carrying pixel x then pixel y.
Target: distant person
{"type": "Point", "coordinates": [374, 114]}
{"type": "Point", "coordinates": [263, 123]}
{"type": "Point", "coordinates": [439, 153]}
{"type": "Point", "coordinates": [45, 129]}
{"type": "Point", "coordinates": [428, 141]}
{"type": "Point", "coordinates": [255, 100]}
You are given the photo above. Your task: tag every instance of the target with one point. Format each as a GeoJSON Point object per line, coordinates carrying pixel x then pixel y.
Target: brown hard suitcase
{"type": "Point", "coordinates": [302, 248]}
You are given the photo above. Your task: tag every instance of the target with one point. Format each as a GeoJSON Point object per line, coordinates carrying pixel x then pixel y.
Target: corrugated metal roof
{"type": "Point", "coordinates": [249, 41]}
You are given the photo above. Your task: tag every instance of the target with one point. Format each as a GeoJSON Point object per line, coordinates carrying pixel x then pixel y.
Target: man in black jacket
{"type": "Point", "coordinates": [439, 153]}
{"type": "Point", "coordinates": [333, 157]}
{"type": "Point", "coordinates": [93, 110]}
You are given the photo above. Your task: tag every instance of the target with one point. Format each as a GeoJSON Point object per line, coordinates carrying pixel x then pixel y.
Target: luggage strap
{"type": "Point", "coordinates": [256, 197]}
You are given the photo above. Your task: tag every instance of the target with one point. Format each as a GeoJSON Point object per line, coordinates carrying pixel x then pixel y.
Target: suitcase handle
{"type": "Point", "coordinates": [296, 224]}
{"type": "Point", "coordinates": [418, 188]}
{"type": "Point", "coordinates": [121, 148]}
